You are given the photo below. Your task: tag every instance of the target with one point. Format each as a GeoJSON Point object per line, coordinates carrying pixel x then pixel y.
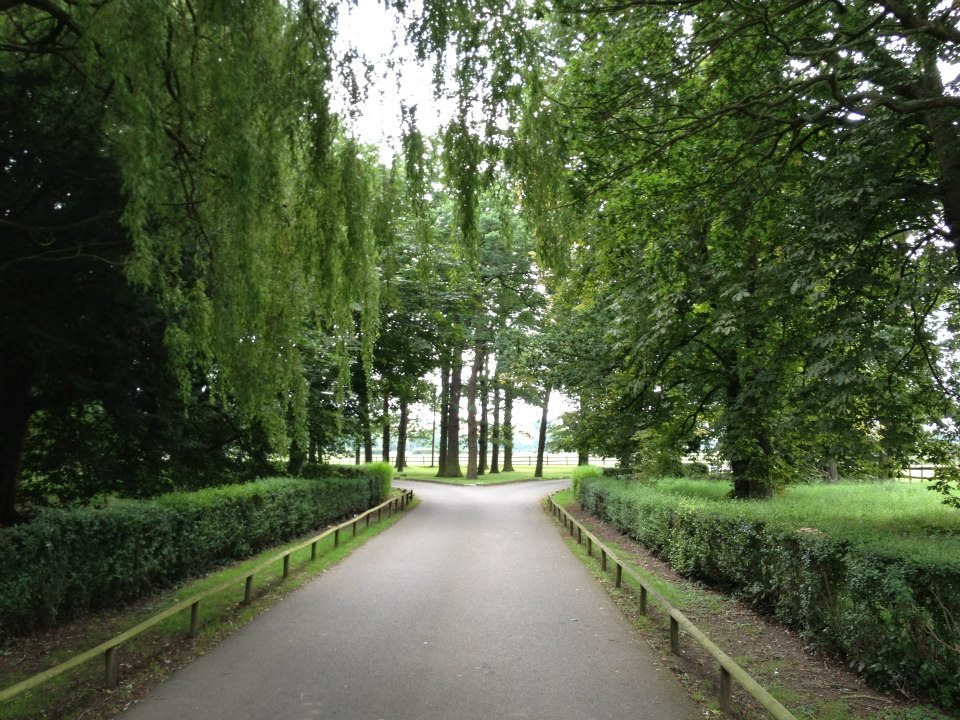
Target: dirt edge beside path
{"type": "Point", "coordinates": [809, 684]}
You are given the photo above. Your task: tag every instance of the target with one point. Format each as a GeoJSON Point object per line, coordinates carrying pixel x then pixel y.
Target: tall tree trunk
{"type": "Point", "coordinates": [583, 454]}
{"type": "Point", "coordinates": [472, 411]}
{"type": "Point", "coordinates": [484, 413]}
{"type": "Point", "coordinates": [260, 451]}
{"type": "Point", "coordinates": [542, 442]}
{"type": "Point", "coordinates": [402, 434]}
{"type": "Point", "coordinates": [508, 429]}
{"type": "Point", "coordinates": [433, 431]}
{"type": "Point", "coordinates": [830, 468]}
{"type": "Point", "coordinates": [363, 394]}
{"type": "Point", "coordinates": [357, 442]}
{"type": "Point", "coordinates": [495, 435]}
{"type": "Point", "coordinates": [312, 451]}
{"type": "Point", "coordinates": [17, 408]}
{"type": "Point", "coordinates": [385, 452]}
{"type": "Point", "coordinates": [941, 123]}
{"type": "Point", "coordinates": [296, 459]}
{"type": "Point", "coordinates": [444, 413]}
{"type": "Point", "coordinates": [749, 443]}
{"type": "Point", "coordinates": [452, 468]}
{"type": "Point", "coordinates": [367, 442]}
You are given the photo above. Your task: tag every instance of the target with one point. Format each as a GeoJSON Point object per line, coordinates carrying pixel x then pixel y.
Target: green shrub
{"type": "Point", "coordinates": [867, 573]}
{"type": "Point", "coordinates": [321, 471]}
{"type": "Point", "coordinates": [66, 562]}
{"type": "Point", "coordinates": [584, 471]}
{"type": "Point", "coordinates": [383, 472]}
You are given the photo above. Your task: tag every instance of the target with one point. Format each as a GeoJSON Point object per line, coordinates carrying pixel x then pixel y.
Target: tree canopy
{"type": "Point", "coordinates": [745, 218]}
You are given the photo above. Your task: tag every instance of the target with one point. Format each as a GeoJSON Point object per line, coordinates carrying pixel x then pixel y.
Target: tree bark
{"type": "Point", "coordinates": [542, 442]}
{"type": "Point", "coordinates": [385, 452]}
{"type": "Point", "coordinates": [367, 442]}
{"type": "Point", "coordinates": [583, 454]}
{"type": "Point", "coordinates": [452, 468]}
{"type": "Point", "coordinates": [402, 434]}
{"type": "Point", "coordinates": [312, 451]}
{"type": "Point", "coordinates": [751, 447]}
{"type": "Point", "coordinates": [484, 414]}
{"type": "Point", "coordinates": [365, 420]}
{"type": "Point", "coordinates": [495, 435]}
{"type": "Point", "coordinates": [444, 418]}
{"type": "Point", "coordinates": [356, 444]}
{"type": "Point", "coordinates": [433, 431]}
{"type": "Point", "coordinates": [17, 408]}
{"type": "Point", "coordinates": [472, 411]}
{"type": "Point", "coordinates": [296, 459]}
{"type": "Point", "coordinates": [507, 429]}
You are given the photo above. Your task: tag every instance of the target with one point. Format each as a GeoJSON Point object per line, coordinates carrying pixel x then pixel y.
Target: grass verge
{"type": "Point", "coordinates": [149, 658]}
{"type": "Point", "coordinates": [813, 687]}
{"type": "Point", "coordinates": [521, 473]}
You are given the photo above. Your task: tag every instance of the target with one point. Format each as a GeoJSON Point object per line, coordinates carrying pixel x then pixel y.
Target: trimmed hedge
{"type": "Point", "coordinates": [68, 562]}
{"type": "Point", "coordinates": [895, 617]}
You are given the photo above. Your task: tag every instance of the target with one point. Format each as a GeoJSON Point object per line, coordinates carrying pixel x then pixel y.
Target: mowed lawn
{"type": "Point", "coordinates": [520, 473]}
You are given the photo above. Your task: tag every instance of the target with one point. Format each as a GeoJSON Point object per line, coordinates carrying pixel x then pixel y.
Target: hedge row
{"type": "Point", "coordinates": [894, 618]}
{"type": "Point", "coordinates": [67, 562]}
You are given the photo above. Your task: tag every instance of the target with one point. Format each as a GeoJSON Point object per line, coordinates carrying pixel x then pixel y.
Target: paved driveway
{"type": "Point", "coordinates": [470, 607]}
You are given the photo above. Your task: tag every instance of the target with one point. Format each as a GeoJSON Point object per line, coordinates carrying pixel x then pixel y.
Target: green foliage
{"type": "Point", "coordinates": [67, 562]}
{"type": "Point", "coordinates": [382, 473]}
{"type": "Point", "coordinates": [947, 483]}
{"type": "Point", "coordinates": [749, 270]}
{"type": "Point", "coordinates": [584, 471]}
{"type": "Point", "coordinates": [866, 572]}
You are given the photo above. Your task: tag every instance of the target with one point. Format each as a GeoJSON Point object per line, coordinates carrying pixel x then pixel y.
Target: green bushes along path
{"type": "Point", "coordinates": [870, 573]}
{"type": "Point", "coordinates": [67, 562]}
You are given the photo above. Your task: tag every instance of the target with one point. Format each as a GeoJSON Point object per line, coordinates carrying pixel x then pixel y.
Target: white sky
{"type": "Point", "coordinates": [375, 32]}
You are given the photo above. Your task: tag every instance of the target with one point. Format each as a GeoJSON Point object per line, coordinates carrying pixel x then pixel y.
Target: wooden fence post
{"type": "Point", "coordinates": [286, 565]}
{"type": "Point", "coordinates": [619, 574]}
{"type": "Point", "coordinates": [336, 537]}
{"type": "Point", "coordinates": [194, 619]}
{"type": "Point", "coordinates": [674, 636]}
{"type": "Point", "coordinates": [726, 704]}
{"type": "Point", "coordinates": [110, 673]}
{"type": "Point", "coordinates": [248, 590]}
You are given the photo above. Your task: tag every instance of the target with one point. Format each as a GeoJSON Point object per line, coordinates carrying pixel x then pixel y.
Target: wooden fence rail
{"type": "Point", "coordinates": [729, 670]}
{"type": "Point", "coordinates": [109, 649]}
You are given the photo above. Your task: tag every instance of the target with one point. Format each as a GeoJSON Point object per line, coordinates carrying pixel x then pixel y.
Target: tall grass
{"type": "Point", "coordinates": [891, 517]}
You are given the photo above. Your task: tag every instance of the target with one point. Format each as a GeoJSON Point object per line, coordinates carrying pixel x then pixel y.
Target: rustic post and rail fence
{"type": "Point", "coordinates": [729, 670]}
{"type": "Point", "coordinates": [109, 649]}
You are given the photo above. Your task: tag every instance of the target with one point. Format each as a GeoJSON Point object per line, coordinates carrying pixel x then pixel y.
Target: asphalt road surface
{"type": "Point", "coordinates": [470, 608]}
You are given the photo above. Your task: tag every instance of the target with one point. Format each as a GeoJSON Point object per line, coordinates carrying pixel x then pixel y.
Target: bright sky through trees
{"type": "Point", "coordinates": [376, 34]}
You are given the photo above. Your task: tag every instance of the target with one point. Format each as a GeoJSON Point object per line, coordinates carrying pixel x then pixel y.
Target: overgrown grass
{"type": "Point", "coordinates": [891, 517]}
{"type": "Point", "coordinates": [521, 473]}
{"type": "Point", "coordinates": [149, 657]}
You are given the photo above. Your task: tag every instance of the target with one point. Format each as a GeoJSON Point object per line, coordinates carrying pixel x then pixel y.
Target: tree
{"type": "Point", "coordinates": [691, 151]}
{"type": "Point", "coordinates": [238, 225]}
